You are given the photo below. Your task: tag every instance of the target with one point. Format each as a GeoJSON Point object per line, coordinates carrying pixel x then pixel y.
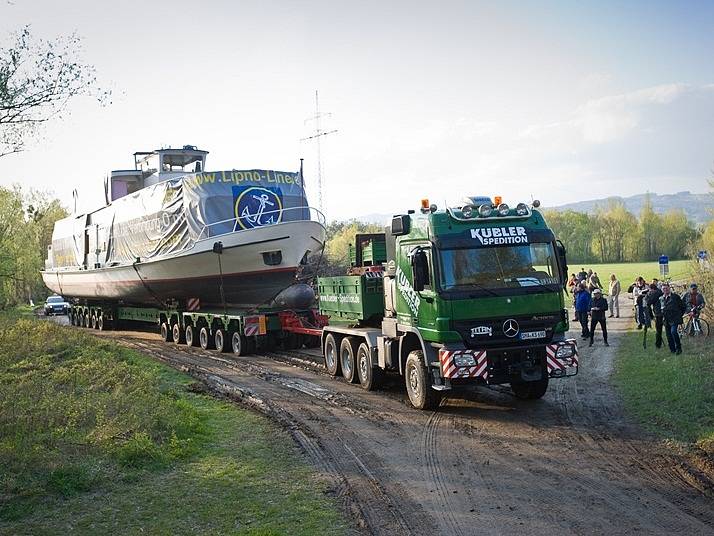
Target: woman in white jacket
{"type": "Point", "coordinates": [614, 294]}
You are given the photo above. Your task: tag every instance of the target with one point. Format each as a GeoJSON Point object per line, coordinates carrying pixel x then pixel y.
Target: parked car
{"type": "Point", "coordinates": [56, 305]}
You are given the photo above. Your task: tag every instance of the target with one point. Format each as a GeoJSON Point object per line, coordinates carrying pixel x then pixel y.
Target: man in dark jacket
{"type": "Point", "coordinates": [582, 308]}
{"type": "Point", "coordinates": [672, 311]}
{"type": "Point", "coordinates": [652, 301]}
{"type": "Point", "coordinates": [597, 315]}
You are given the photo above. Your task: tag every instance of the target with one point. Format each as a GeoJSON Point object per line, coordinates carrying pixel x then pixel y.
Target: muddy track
{"type": "Point", "coordinates": [571, 463]}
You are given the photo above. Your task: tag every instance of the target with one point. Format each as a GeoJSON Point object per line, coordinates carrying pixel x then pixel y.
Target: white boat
{"type": "Point", "coordinates": [171, 232]}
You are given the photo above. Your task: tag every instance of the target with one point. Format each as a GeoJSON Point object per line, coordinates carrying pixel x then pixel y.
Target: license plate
{"type": "Point", "coordinates": [532, 335]}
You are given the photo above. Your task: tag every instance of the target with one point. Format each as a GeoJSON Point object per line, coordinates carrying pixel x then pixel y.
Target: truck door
{"type": "Point", "coordinates": [427, 308]}
{"type": "Point", "coordinates": [416, 304]}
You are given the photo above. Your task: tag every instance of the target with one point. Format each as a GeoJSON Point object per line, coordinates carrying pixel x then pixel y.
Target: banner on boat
{"type": "Point", "coordinates": [170, 216]}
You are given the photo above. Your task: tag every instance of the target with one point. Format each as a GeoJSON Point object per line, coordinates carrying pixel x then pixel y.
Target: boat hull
{"type": "Point", "coordinates": [199, 272]}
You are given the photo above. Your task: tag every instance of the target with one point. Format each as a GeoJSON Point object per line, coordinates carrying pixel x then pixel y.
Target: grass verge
{"type": "Point", "coordinates": [97, 438]}
{"type": "Point", "coordinates": [672, 396]}
{"type": "Point", "coordinates": [627, 272]}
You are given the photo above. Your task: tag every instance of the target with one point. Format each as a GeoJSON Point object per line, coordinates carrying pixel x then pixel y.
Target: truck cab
{"type": "Point", "coordinates": [471, 294]}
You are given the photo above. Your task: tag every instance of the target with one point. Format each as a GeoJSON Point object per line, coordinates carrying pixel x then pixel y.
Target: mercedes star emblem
{"type": "Point", "coordinates": [510, 328]}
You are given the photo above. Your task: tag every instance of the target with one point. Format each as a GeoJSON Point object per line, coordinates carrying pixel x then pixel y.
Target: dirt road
{"type": "Point", "coordinates": [571, 463]}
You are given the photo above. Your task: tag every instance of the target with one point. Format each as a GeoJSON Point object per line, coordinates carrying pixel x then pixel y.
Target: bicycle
{"type": "Point", "coordinates": [693, 325]}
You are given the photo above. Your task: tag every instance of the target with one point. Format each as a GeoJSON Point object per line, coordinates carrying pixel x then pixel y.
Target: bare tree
{"type": "Point", "coordinates": [38, 78]}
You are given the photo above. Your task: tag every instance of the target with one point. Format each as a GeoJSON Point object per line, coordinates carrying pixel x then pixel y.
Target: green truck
{"type": "Point", "coordinates": [452, 298]}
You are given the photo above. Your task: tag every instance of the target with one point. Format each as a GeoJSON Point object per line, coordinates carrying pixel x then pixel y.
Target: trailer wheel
{"type": "Point", "coordinates": [101, 326]}
{"type": "Point", "coordinates": [332, 362]}
{"type": "Point", "coordinates": [177, 334]}
{"type": "Point", "coordinates": [222, 339]}
{"type": "Point", "coordinates": [369, 377]}
{"type": "Point", "coordinates": [348, 360]}
{"type": "Point", "coordinates": [205, 339]}
{"type": "Point", "coordinates": [87, 320]}
{"type": "Point", "coordinates": [530, 390]}
{"type": "Point", "coordinates": [165, 331]}
{"type": "Point", "coordinates": [416, 377]}
{"type": "Point", "coordinates": [239, 344]}
{"type": "Point", "coordinates": [190, 336]}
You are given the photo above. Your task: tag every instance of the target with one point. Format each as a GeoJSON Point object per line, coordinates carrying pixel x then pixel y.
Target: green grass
{"type": "Point", "coordinates": [672, 396]}
{"type": "Point", "coordinates": [95, 438]}
{"type": "Point", "coordinates": [627, 272]}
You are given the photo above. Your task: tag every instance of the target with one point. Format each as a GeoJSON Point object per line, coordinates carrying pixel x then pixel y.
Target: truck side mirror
{"type": "Point", "coordinates": [400, 225]}
{"type": "Point", "coordinates": [420, 269]}
{"type": "Point", "coordinates": [562, 262]}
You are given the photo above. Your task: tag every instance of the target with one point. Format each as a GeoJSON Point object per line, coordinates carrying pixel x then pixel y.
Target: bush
{"type": "Point", "coordinates": [75, 410]}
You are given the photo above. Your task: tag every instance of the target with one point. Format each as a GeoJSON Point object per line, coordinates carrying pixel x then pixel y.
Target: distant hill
{"type": "Point", "coordinates": [698, 207]}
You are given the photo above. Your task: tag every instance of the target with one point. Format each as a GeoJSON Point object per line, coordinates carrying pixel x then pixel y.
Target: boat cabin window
{"type": "Point", "coordinates": [182, 162]}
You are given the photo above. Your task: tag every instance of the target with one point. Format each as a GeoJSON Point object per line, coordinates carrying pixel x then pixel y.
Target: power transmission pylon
{"type": "Point", "coordinates": [317, 135]}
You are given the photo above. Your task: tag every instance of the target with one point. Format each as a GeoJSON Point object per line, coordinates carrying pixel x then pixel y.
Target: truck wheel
{"type": "Point", "coordinates": [421, 395]}
{"type": "Point", "coordinates": [239, 344]}
{"type": "Point", "coordinates": [94, 320]}
{"type": "Point", "coordinates": [190, 335]}
{"type": "Point", "coordinates": [87, 320]}
{"type": "Point", "coordinates": [101, 326]}
{"type": "Point", "coordinates": [369, 377]}
{"type": "Point", "coordinates": [348, 360]}
{"type": "Point", "coordinates": [332, 362]}
{"type": "Point", "coordinates": [222, 339]}
{"type": "Point", "coordinates": [251, 345]}
{"type": "Point", "coordinates": [530, 390]}
{"type": "Point", "coordinates": [205, 339]}
{"type": "Point", "coordinates": [177, 334]}
{"type": "Point", "coordinates": [165, 331]}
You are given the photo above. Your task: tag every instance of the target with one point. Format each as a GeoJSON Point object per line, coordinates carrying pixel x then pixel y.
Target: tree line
{"type": "Point", "coordinates": [26, 222]}
{"type": "Point", "coordinates": [614, 234]}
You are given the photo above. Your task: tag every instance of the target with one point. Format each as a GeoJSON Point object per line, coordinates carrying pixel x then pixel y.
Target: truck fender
{"type": "Point", "coordinates": [412, 340]}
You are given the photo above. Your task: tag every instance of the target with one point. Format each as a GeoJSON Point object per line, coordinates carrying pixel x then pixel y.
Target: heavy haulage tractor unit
{"type": "Point", "coordinates": [452, 298]}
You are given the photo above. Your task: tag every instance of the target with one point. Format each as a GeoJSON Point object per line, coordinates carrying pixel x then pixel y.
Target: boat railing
{"type": "Point", "coordinates": [262, 219]}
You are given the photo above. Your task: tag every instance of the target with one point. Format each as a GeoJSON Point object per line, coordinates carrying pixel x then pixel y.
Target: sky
{"type": "Point", "coordinates": [556, 101]}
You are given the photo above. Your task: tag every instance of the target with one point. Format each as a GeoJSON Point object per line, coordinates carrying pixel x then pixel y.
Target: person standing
{"type": "Point", "coordinates": [582, 275]}
{"type": "Point", "coordinates": [694, 300]}
{"type": "Point", "coordinates": [595, 282]}
{"type": "Point", "coordinates": [672, 311]}
{"type": "Point", "coordinates": [582, 308]}
{"type": "Point", "coordinates": [637, 290]}
{"type": "Point", "coordinates": [597, 315]}
{"type": "Point", "coordinates": [573, 285]}
{"type": "Point", "coordinates": [614, 295]}
{"type": "Point", "coordinates": [654, 304]}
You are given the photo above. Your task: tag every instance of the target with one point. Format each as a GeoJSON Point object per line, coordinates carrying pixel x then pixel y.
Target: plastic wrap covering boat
{"type": "Point", "coordinates": [232, 237]}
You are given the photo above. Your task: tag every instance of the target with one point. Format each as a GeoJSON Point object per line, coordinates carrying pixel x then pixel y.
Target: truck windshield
{"type": "Point", "coordinates": [532, 265]}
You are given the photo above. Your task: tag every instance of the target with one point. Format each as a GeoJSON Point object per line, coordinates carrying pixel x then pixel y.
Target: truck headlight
{"type": "Point", "coordinates": [485, 210]}
{"type": "Point", "coordinates": [464, 361]}
{"type": "Point", "coordinates": [566, 350]}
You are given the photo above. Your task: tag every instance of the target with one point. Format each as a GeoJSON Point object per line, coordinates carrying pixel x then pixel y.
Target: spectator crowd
{"type": "Point", "coordinates": [652, 301]}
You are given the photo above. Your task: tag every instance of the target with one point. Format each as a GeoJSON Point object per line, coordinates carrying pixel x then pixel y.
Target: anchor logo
{"type": "Point", "coordinates": [256, 207]}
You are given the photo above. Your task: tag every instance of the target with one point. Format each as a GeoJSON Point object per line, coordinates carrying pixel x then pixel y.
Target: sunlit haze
{"type": "Point", "coordinates": [556, 101]}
